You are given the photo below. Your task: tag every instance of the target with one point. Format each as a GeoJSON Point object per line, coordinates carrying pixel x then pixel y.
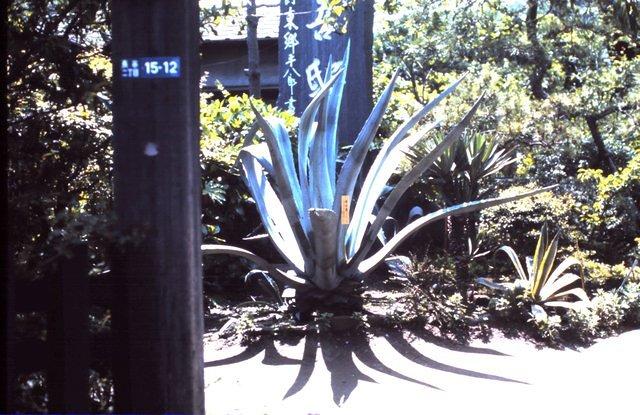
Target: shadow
{"type": "Point", "coordinates": [338, 349]}
{"type": "Point", "coordinates": [271, 355]}
{"type": "Point", "coordinates": [337, 352]}
{"type": "Point", "coordinates": [405, 348]}
{"type": "Point", "coordinates": [306, 367]}
{"type": "Point", "coordinates": [366, 355]}
{"type": "Point", "coordinates": [452, 345]}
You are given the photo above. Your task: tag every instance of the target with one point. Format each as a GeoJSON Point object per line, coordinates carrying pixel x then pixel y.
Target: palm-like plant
{"type": "Point", "coordinates": [545, 284]}
{"type": "Point", "coordinates": [460, 170]}
{"type": "Point", "coordinates": [323, 228]}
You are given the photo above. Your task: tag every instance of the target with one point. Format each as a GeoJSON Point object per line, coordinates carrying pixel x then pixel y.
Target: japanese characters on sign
{"type": "Point", "coordinates": [290, 42]}
{"type": "Point", "coordinates": [307, 42]}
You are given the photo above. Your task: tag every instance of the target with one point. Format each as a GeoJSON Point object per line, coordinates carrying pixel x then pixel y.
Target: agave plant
{"type": "Point", "coordinates": [544, 284]}
{"type": "Point", "coordinates": [459, 171]}
{"type": "Point", "coordinates": [324, 228]}
{"type": "Point", "coordinates": [457, 176]}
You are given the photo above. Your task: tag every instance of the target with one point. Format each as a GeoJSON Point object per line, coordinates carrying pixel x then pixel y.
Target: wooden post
{"type": "Point", "coordinates": [68, 334]}
{"type": "Point", "coordinates": [253, 50]}
{"type": "Point", "coordinates": [158, 312]}
{"type": "Point", "coordinates": [304, 49]}
{"type": "Point", "coordinates": [7, 286]}
{"type": "Point", "coordinates": [7, 330]}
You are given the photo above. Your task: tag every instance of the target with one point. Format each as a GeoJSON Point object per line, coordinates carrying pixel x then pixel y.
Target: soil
{"type": "Point", "coordinates": [348, 372]}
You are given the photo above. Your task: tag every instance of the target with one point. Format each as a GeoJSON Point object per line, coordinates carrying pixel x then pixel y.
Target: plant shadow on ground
{"type": "Point", "coordinates": [340, 347]}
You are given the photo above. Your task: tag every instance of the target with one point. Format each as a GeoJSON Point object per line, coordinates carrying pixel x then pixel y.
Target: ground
{"type": "Point", "coordinates": [343, 373]}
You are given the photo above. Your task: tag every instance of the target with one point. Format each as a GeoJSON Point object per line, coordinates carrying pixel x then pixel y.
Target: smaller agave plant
{"type": "Point", "coordinates": [544, 284]}
{"type": "Point", "coordinates": [322, 225]}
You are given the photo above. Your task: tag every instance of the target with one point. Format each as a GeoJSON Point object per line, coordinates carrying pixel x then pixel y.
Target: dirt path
{"type": "Point", "coordinates": [395, 375]}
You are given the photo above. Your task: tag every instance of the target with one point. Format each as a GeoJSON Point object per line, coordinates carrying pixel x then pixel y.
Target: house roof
{"type": "Point", "coordinates": [234, 28]}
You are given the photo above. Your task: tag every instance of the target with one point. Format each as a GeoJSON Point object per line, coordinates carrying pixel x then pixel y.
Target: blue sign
{"type": "Point", "coordinates": [155, 67]}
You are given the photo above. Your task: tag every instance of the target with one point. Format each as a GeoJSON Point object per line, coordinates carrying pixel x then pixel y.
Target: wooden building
{"type": "Point", "coordinates": [224, 53]}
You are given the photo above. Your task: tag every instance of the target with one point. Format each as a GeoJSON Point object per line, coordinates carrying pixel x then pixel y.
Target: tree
{"type": "Point", "coordinates": [561, 78]}
{"type": "Point", "coordinates": [58, 122]}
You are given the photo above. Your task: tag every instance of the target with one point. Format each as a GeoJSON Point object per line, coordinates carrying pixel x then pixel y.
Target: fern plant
{"type": "Point", "coordinates": [543, 283]}
{"type": "Point", "coordinates": [325, 228]}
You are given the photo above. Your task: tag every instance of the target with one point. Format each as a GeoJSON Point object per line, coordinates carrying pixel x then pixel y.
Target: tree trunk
{"type": "Point", "coordinates": [604, 158]}
{"type": "Point", "coordinates": [540, 60]}
{"type": "Point", "coordinates": [253, 60]}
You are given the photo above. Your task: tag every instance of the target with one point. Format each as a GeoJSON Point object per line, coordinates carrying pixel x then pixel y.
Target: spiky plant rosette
{"type": "Point", "coordinates": [322, 226]}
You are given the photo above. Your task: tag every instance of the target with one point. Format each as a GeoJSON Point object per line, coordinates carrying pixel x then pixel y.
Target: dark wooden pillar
{"type": "Point", "coordinates": [304, 49]}
{"type": "Point", "coordinates": [158, 317]}
{"type": "Point", "coordinates": [68, 334]}
{"type": "Point", "coordinates": [7, 286]}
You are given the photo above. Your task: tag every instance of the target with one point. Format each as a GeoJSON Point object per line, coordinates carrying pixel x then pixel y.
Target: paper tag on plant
{"type": "Point", "coordinates": [344, 215]}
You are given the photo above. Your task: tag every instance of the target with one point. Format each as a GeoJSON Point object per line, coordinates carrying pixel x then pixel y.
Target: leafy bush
{"type": "Point", "coordinates": [517, 223]}
{"type": "Point", "coordinates": [631, 293]}
{"type": "Point", "coordinates": [581, 324]}
{"type": "Point", "coordinates": [433, 296]}
{"type": "Point", "coordinates": [611, 309]}
{"type": "Point", "coordinates": [611, 210]}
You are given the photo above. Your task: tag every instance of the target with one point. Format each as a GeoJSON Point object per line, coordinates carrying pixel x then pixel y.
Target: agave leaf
{"type": "Point", "coordinates": [285, 177]}
{"type": "Point", "coordinates": [516, 262]}
{"type": "Point", "coordinates": [261, 153]}
{"type": "Point", "coordinates": [578, 292]}
{"type": "Point", "coordinates": [529, 264]}
{"type": "Point", "coordinates": [545, 267]}
{"type": "Point", "coordinates": [405, 183]}
{"type": "Point", "coordinates": [306, 132]}
{"type": "Point", "coordinates": [333, 111]}
{"type": "Point", "coordinates": [493, 285]}
{"type": "Point", "coordinates": [366, 201]}
{"type": "Point", "coordinates": [538, 313]}
{"type": "Point", "coordinates": [353, 163]}
{"type": "Point", "coordinates": [370, 263]}
{"type": "Point", "coordinates": [285, 278]}
{"type": "Point", "coordinates": [541, 248]}
{"type": "Point", "coordinates": [266, 282]}
{"type": "Point", "coordinates": [575, 305]}
{"type": "Point", "coordinates": [382, 168]}
{"type": "Point", "coordinates": [560, 269]}
{"type": "Point", "coordinates": [271, 210]}
{"type": "Point", "coordinates": [319, 178]}
{"type": "Point", "coordinates": [549, 289]}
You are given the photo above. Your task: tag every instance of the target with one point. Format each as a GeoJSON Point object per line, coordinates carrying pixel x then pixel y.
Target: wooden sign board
{"type": "Point", "coordinates": [305, 47]}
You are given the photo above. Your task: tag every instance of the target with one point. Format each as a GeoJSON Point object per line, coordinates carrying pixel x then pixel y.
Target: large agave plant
{"type": "Point", "coordinates": [325, 228]}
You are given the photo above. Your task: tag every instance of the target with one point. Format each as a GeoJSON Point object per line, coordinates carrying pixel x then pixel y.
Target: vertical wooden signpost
{"type": "Point", "coordinates": [158, 320]}
{"type": "Point", "coordinates": [305, 45]}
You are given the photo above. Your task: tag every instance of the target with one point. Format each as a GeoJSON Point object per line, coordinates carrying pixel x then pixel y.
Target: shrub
{"type": "Point", "coordinates": [611, 309]}
{"type": "Point", "coordinates": [517, 223]}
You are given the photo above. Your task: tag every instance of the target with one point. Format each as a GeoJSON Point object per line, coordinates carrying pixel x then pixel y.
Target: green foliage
{"type": "Point", "coordinates": [59, 127]}
{"type": "Point", "coordinates": [517, 223]}
{"type": "Point", "coordinates": [611, 308]}
{"type": "Point", "coordinates": [617, 197]}
{"type": "Point", "coordinates": [433, 297]}
{"type": "Point", "coordinates": [562, 87]}
{"type": "Point", "coordinates": [226, 124]}
{"type": "Point", "coordinates": [599, 274]}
